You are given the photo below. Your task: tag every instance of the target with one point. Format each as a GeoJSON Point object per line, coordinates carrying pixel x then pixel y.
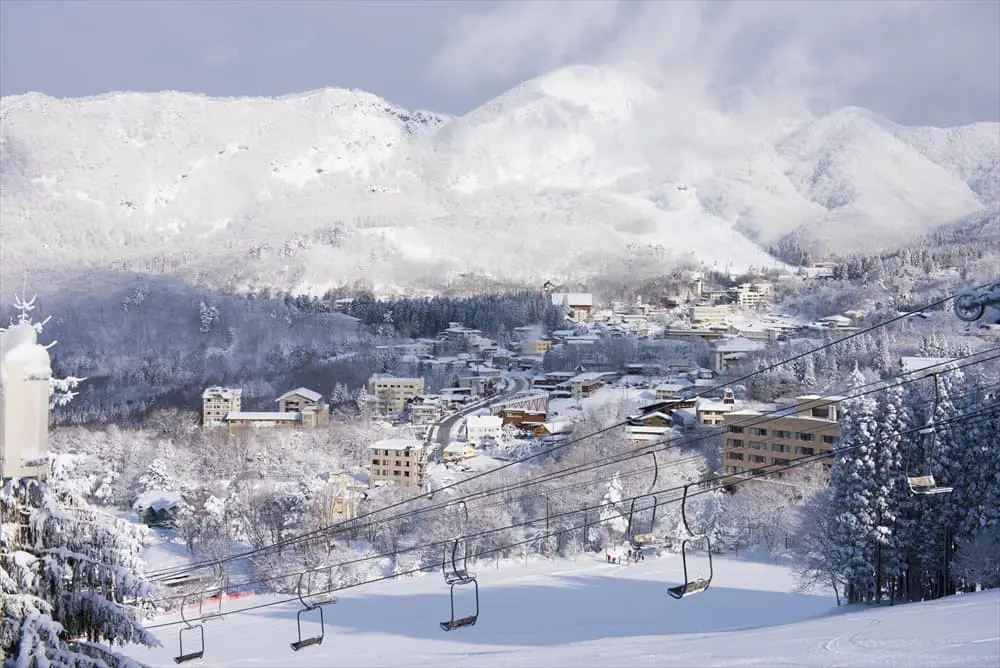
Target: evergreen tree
{"type": "Point", "coordinates": [888, 491]}
{"type": "Point", "coordinates": [852, 502]}
{"type": "Point", "coordinates": [71, 581]}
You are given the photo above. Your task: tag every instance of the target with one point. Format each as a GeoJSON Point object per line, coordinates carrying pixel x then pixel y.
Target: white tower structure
{"type": "Point", "coordinates": [25, 370]}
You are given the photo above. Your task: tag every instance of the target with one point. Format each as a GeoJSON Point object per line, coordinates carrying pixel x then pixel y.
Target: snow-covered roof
{"type": "Point", "coordinates": [738, 344]}
{"type": "Point", "coordinates": [912, 364]}
{"type": "Point", "coordinates": [572, 299]}
{"type": "Point", "coordinates": [301, 392]}
{"type": "Point", "coordinates": [676, 386]}
{"type": "Point", "coordinates": [587, 377]}
{"type": "Point", "coordinates": [483, 422]}
{"type": "Point", "coordinates": [385, 377]}
{"type": "Point", "coordinates": [157, 500]}
{"type": "Point", "coordinates": [456, 448]}
{"type": "Point", "coordinates": [261, 416]}
{"type": "Point", "coordinates": [397, 444]}
{"type": "Point", "coordinates": [227, 393]}
{"type": "Point", "coordinates": [558, 427]}
{"type": "Point", "coordinates": [715, 405]}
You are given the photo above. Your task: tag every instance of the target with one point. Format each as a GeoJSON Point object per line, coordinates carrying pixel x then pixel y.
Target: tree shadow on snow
{"type": "Point", "coordinates": [572, 609]}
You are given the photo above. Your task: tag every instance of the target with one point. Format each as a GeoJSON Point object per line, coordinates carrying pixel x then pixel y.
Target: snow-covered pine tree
{"type": "Point", "coordinates": [71, 581]}
{"type": "Point", "coordinates": [852, 498]}
{"type": "Point", "coordinates": [889, 495]}
{"type": "Point", "coordinates": [944, 460]}
{"type": "Point", "coordinates": [61, 390]}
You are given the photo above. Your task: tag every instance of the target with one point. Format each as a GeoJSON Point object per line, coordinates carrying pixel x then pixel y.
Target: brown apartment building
{"type": "Point", "coordinates": [399, 460]}
{"type": "Point", "coordinates": [756, 440]}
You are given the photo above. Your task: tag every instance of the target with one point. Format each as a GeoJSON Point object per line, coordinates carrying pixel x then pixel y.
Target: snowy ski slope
{"type": "Point", "coordinates": [587, 612]}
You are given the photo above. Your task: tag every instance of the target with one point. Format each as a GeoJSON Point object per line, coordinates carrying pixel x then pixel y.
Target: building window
{"type": "Point", "coordinates": [778, 447]}
{"type": "Point", "coordinates": [758, 432]}
{"type": "Point", "coordinates": [830, 440]}
{"type": "Point", "coordinates": [736, 456]}
{"type": "Point", "coordinates": [805, 451]}
{"type": "Point", "coordinates": [736, 430]}
{"type": "Point", "coordinates": [734, 443]}
{"type": "Point", "coordinates": [781, 433]}
{"type": "Point", "coordinates": [806, 437]}
{"type": "Point", "coordinates": [758, 445]}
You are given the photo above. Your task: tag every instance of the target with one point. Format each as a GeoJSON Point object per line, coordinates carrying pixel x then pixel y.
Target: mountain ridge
{"type": "Point", "coordinates": [330, 187]}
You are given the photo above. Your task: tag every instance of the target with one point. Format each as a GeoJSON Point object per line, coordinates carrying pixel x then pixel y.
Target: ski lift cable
{"type": "Point", "coordinates": [638, 452]}
{"type": "Point", "coordinates": [702, 393]}
{"type": "Point", "coordinates": [733, 478]}
{"type": "Point", "coordinates": [589, 482]}
{"type": "Point", "coordinates": [530, 521]}
{"type": "Point", "coordinates": [990, 411]}
{"type": "Point", "coordinates": [446, 542]}
{"type": "Point", "coordinates": [723, 481]}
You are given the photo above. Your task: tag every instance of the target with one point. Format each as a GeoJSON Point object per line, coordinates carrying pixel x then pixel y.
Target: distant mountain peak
{"type": "Point", "coordinates": [563, 176]}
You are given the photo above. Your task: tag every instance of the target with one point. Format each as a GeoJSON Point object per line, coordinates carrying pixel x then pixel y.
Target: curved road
{"type": "Point", "coordinates": [445, 426]}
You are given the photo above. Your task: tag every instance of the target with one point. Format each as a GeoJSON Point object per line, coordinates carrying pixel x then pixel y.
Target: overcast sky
{"type": "Point", "coordinates": [915, 62]}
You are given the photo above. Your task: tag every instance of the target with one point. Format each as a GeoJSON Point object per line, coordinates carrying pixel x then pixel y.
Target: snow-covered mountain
{"type": "Point", "coordinates": [583, 171]}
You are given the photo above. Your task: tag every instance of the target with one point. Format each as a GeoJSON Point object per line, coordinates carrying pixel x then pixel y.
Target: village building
{"type": "Point", "coordinates": [217, 403]}
{"type": "Point", "coordinates": [392, 393]}
{"type": "Point", "coordinates": [480, 428]}
{"type": "Point", "coordinates": [754, 441]}
{"type": "Point", "coordinates": [399, 460]}
{"type": "Point", "coordinates": [308, 403]}
{"type": "Point", "coordinates": [577, 306]}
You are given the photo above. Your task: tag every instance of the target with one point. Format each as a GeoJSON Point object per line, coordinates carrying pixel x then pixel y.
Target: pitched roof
{"type": "Point", "coordinates": [302, 392]}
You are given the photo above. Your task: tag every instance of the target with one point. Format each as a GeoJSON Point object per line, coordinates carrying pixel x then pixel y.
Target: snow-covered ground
{"type": "Point", "coordinates": [587, 612]}
{"type": "Point", "coordinates": [313, 191]}
{"type": "Point", "coordinates": [607, 397]}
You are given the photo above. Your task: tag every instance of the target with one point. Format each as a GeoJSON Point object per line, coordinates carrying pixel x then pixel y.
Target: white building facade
{"type": "Point", "coordinates": [480, 427]}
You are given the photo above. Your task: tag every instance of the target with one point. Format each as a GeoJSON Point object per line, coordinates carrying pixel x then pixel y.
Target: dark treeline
{"type": "Point", "coordinates": [493, 314]}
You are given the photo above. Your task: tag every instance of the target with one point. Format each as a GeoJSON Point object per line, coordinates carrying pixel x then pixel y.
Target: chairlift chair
{"type": "Point", "coordinates": [220, 584]}
{"type": "Point", "coordinates": [925, 484]}
{"type": "Point", "coordinates": [639, 541]}
{"type": "Point", "coordinates": [456, 575]}
{"type": "Point", "coordinates": [310, 601]}
{"type": "Point", "coordinates": [691, 585]}
{"type": "Point", "coordinates": [189, 627]}
{"type": "Point", "coordinates": [695, 585]}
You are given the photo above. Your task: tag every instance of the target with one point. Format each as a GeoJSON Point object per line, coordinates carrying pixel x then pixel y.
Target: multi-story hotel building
{"type": "Point", "coordinates": [757, 440]}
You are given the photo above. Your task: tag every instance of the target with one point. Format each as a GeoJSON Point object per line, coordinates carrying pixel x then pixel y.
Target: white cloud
{"type": "Point", "coordinates": [819, 53]}
{"type": "Point", "coordinates": [516, 37]}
